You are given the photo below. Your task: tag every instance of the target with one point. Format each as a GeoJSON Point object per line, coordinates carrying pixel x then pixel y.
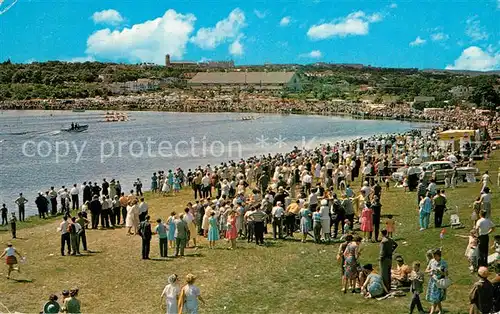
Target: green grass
{"type": "Point", "coordinates": [283, 277]}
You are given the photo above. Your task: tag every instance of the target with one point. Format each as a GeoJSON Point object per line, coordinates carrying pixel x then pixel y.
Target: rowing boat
{"type": "Point", "coordinates": [80, 128]}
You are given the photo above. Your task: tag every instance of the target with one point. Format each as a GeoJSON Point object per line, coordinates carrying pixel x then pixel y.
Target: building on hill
{"type": "Point", "coordinates": [191, 64]}
{"type": "Point", "coordinates": [246, 80]}
{"type": "Point", "coordinates": [461, 91]}
{"type": "Point", "coordinates": [421, 99]}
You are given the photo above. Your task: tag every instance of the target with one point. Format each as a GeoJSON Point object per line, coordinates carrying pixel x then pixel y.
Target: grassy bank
{"type": "Point", "coordinates": [282, 277]}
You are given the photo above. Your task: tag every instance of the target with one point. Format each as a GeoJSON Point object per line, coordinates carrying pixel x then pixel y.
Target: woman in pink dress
{"type": "Point", "coordinates": [367, 222]}
{"type": "Point", "coordinates": [232, 232]}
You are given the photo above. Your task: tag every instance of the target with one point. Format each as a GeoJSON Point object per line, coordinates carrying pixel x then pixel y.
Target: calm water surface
{"type": "Point", "coordinates": [35, 154]}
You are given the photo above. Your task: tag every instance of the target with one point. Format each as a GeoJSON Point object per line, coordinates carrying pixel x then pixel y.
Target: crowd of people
{"type": "Point", "coordinates": [315, 193]}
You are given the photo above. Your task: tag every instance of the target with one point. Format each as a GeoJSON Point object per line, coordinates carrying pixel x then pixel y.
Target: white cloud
{"type": "Point", "coordinates": [236, 48]}
{"type": "Point", "coordinates": [145, 42]}
{"type": "Point", "coordinates": [395, 5]}
{"type": "Point", "coordinates": [418, 42]}
{"type": "Point", "coordinates": [260, 14]}
{"type": "Point", "coordinates": [354, 24]}
{"type": "Point", "coordinates": [476, 59]}
{"type": "Point", "coordinates": [82, 59]}
{"type": "Point", "coordinates": [474, 29]}
{"type": "Point", "coordinates": [285, 21]}
{"type": "Point", "coordinates": [315, 54]}
{"type": "Point", "coordinates": [111, 17]}
{"type": "Point", "coordinates": [439, 37]}
{"type": "Point", "coordinates": [228, 28]}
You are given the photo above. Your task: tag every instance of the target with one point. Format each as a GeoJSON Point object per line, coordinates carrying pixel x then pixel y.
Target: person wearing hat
{"type": "Point", "coordinates": [171, 294]}
{"type": "Point", "coordinates": [481, 295]}
{"type": "Point", "coordinates": [373, 286]}
{"type": "Point", "coordinates": [324, 211]}
{"type": "Point", "coordinates": [51, 306]}
{"type": "Point", "coordinates": [189, 296]}
{"type": "Point", "coordinates": [277, 214]}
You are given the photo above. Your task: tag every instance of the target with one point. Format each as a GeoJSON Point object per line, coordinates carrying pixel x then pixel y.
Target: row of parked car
{"type": "Point", "coordinates": [441, 168]}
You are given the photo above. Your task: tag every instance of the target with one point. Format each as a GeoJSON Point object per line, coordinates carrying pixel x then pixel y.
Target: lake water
{"type": "Point", "coordinates": [35, 154]}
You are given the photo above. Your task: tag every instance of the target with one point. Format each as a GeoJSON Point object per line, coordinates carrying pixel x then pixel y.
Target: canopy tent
{"type": "Point", "coordinates": [456, 134]}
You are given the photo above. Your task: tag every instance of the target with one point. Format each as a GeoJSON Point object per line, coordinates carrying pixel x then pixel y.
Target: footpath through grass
{"type": "Point", "coordinates": [282, 277]}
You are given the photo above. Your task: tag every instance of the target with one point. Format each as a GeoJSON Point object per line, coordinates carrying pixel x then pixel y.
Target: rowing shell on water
{"type": "Point", "coordinates": [80, 128]}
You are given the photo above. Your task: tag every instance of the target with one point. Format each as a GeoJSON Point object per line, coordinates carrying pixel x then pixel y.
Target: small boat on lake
{"type": "Point", "coordinates": [78, 110]}
{"type": "Point", "coordinates": [77, 128]}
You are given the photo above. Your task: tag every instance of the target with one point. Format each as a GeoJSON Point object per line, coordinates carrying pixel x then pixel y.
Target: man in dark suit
{"type": "Point", "coordinates": [87, 193]}
{"type": "Point", "coordinates": [95, 211]}
{"type": "Point", "coordinates": [387, 247]}
{"type": "Point", "coordinates": [145, 233]}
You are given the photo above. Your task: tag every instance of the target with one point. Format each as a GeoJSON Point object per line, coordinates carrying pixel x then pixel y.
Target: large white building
{"type": "Point", "coordinates": [246, 80]}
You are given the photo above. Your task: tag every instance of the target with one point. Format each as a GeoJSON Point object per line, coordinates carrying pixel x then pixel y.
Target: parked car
{"type": "Point", "coordinates": [442, 169]}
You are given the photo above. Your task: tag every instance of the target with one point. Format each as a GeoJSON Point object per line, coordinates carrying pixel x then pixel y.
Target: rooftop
{"type": "Point", "coordinates": [242, 77]}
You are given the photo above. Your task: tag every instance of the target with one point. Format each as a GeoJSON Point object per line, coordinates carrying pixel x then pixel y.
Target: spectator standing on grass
{"type": "Point", "coordinates": [387, 248]}
{"type": "Point", "coordinates": [20, 201]}
{"type": "Point", "coordinates": [146, 233]}
{"type": "Point", "coordinates": [53, 201]}
{"type": "Point", "coordinates": [439, 207]}
{"type": "Point", "coordinates": [143, 209]}
{"type": "Point", "coordinates": [95, 207]}
{"type": "Point", "coordinates": [484, 227]}
{"type": "Point", "coordinates": [425, 211]}
{"type": "Point", "coordinates": [123, 205]}
{"type": "Point", "coordinates": [75, 203]}
{"type": "Point", "coordinates": [83, 222]}
{"type": "Point", "coordinates": [42, 205]}
{"type": "Point", "coordinates": [171, 294]}
{"type": "Point", "coordinates": [13, 227]}
{"type": "Point", "coordinates": [162, 232]}
{"type": "Point", "coordinates": [482, 293]}
{"type": "Point", "coordinates": [105, 187]}
{"type": "Point", "coordinates": [377, 209]}
{"type": "Point", "coordinates": [485, 179]}
{"type": "Point", "coordinates": [87, 193]}
{"type": "Point", "coordinates": [65, 237]}
{"type": "Point", "coordinates": [189, 296]}
{"type": "Point", "coordinates": [181, 235]}
{"type": "Point", "coordinates": [437, 269]}
{"type": "Point", "coordinates": [486, 202]}
{"type": "Point", "coordinates": [74, 236]}
{"type": "Point", "coordinates": [4, 211]}
{"type": "Point", "coordinates": [416, 287]}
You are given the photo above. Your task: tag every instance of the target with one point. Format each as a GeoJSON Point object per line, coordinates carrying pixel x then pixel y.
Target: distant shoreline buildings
{"type": "Point", "coordinates": [191, 64]}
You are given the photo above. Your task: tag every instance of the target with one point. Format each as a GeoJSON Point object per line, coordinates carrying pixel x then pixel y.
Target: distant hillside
{"type": "Point", "coordinates": [323, 81]}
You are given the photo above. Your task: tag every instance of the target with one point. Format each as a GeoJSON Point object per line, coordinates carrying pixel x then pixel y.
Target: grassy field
{"type": "Point", "coordinates": [281, 277]}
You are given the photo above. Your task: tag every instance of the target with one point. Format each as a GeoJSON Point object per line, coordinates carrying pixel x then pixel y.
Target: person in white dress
{"type": "Point", "coordinates": [132, 220]}
{"type": "Point", "coordinates": [171, 295]}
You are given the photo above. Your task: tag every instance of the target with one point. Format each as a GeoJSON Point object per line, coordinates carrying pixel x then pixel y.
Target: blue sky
{"type": "Point", "coordinates": [423, 34]}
